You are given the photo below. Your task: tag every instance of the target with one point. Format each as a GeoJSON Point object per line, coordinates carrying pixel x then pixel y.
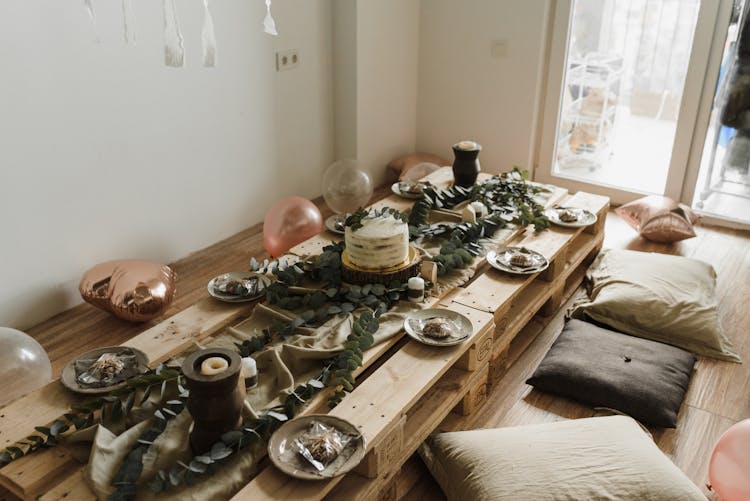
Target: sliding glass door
{"type": "Point", "coordinates": [624, 84]}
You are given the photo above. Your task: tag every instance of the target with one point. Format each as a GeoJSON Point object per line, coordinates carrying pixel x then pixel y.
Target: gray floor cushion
{"type": "Point", "coordinates": [604, 458]}
{"type": "Point", "coordinates": [670, 299]}
{"type": "Point", "coordinates": [642, 378]}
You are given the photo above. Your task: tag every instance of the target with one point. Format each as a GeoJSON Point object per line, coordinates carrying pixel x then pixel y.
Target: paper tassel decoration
{"type": "Point", "coordinates": [128, 21]}
{"type": "Point", "coordinates": [174, 51]}
{"type": "Point", "coordinates": [208, 38]}
{"type": "Point", "coordinates": [269, 26]}
{"type": "Point", "coordinates": [92, 16]}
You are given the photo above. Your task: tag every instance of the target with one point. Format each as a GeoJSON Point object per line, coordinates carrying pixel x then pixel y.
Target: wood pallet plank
{"type": "Point", "coordinates": [410, 373]}
{"type": "Point", "coordinates": [422, 420]}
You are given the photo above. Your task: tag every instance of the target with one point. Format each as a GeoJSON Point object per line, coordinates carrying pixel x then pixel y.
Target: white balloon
{"type": "Point", "coordinates": [346, 187]}
{"type": "Point", "coordinates": [24, 365]}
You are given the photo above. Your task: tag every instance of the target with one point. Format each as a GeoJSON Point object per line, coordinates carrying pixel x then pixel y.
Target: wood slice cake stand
{"type": "Point", "coordinates": [353, 274]}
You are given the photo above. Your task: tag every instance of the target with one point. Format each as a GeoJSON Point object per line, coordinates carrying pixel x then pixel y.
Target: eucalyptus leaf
{"type": "Point", "coordinates": [277, 416]}
{"type": "Point", "coordinates": [347, 307]}
{"type": "Point", "coordinates": [197, 466]}
{"type": "Point", "coordinates": [174, 476]}
{"type": "Point", "coordinates": [146, 394]}
{"type": "Point", "coordinates": [231, 437]}
{"type": "Point", "coordinates": [156, 485]}
{"type": "Point", "coordinates": [220, 451]}
{"type": "Point", "coordinates": [129, 401]}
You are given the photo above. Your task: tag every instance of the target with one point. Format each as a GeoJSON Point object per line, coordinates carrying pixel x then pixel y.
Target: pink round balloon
{"type": "Point", "coordinates": [290, 221]}
{"type": "Point", "coordinates": [729, 469]}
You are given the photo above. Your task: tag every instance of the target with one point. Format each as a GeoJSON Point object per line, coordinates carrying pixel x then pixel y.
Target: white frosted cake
{"type": "Point", "coordinates": [382, 242]}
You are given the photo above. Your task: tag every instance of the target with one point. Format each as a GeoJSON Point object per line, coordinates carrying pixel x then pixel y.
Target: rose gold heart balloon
{"type": "Point", "coordinates": [130, 289]}
{"type": "Point", "coordinates": [290, 221]}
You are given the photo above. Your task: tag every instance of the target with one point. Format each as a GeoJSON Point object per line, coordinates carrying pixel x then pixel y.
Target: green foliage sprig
{"type": "Point", "coordinates": [509, 199]}
{"type": "Point", "coordinates": [113, 406]}
{"type": "Point", "coordinates": [251, 432]}
{"type": "Point", "coordinates": [127, 476]}
{"type": "Point", "coordinates": [257, 343]}
{"type": "Point", "coordinates": [354, 220]}
{"type": "Point", "coordinates": [345, 363]}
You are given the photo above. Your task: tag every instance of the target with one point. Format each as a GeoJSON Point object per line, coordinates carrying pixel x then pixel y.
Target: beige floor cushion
{"type": "Point", "coordinates": [604, 458]}
{"type": "Point", "coordinates": [670, 299]}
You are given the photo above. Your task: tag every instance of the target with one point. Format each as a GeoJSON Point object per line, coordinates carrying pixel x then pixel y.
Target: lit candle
{"type": "Point", "coordinates": [214, 365]}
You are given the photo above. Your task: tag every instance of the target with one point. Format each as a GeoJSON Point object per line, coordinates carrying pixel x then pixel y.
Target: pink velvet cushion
{"type": "Point", "coordinates": [659, 219]}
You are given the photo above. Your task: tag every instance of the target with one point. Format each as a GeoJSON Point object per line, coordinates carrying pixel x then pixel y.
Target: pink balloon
{"type": "Point", "coordinates": [729, 469]}
{"type": "Point", "coordinates": [288, 222]}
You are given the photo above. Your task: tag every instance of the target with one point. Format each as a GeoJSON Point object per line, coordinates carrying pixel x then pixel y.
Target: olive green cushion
{"type": "Point", "coordinates": [670, 299]}
{"type": "Point", "coordinates": [582, 459]}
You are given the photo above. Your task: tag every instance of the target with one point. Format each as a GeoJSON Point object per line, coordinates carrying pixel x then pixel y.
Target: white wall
{"type": "Point", "coordinates": [376, 54]}
{"type": "Point", "coordinates": [387, 73]}
{"type": "Point", "coordinates": [105, 153]}
{"type": "Point", "coordinates": [344, 60]}
{"type": "Point", "coordinates": [465, 93]}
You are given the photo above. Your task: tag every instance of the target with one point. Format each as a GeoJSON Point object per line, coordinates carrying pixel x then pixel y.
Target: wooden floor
{"type": "Point", "coordinates": [719, 393]}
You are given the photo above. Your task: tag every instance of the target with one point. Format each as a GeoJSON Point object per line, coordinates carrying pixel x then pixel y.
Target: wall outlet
{"type": "Point", "coordinates": [499, 48]}
{"type": "Point", "coordinates": [287, 59]}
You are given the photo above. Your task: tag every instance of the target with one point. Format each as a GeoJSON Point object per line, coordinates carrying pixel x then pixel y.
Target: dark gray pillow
{"type": "Point", "coordinates": [642, 378]}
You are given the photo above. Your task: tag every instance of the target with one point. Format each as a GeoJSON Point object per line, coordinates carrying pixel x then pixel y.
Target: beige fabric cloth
{"type": "Point", "coordinates": [281, 367]}
{"type": "Point", "coordinates": [581, 459]}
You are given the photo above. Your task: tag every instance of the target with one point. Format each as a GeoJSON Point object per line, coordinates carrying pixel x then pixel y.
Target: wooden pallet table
{"type": "Point", "coordinates": [404, 390]}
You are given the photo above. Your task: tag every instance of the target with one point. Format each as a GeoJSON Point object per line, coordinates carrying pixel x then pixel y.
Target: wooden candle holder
{"type": "Point", "coordinates": [216, 401]}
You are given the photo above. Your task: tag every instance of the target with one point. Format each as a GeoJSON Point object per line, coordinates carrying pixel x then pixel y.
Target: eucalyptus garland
{"type": "Point", "coordinates": [336, 374]}
{"type": "Point", "coordinates": [509, 199]}
{"type": "Point", "coordinates": [113, 406]}
{"type": "Point", "coordinates": [126, 479]}
{"type": "Point", "coordinates": [251, 432]}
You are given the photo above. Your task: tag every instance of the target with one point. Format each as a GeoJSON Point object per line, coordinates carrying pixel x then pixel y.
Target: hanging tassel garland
{"type": "Point", "coordinates": [208, 38]}
{"type": "Point", "coordinates": [174, 51]}
{"type": "Point", "coordinates": [269, 26]}
{"type": "Point", "coordinates": [92, 16]}
{"type": "Point", "coordinates": [128, 21]}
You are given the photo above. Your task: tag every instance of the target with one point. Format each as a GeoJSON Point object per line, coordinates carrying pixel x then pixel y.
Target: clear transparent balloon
{"type": "Point", "coordinates": [346, 187]}
{"type": "Point", "coordinates": [24, 365]}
